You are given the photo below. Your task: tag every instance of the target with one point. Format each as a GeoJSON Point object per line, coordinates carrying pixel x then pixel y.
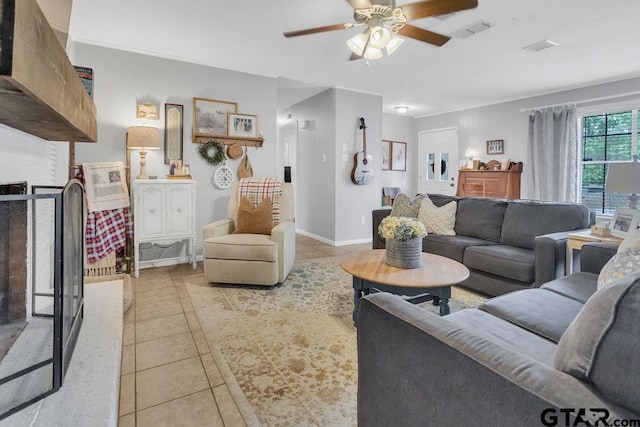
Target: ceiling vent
{"type": "Point", "coordinates": [537, 47]}
{"type": "Point", "coordinates": [471, 29]}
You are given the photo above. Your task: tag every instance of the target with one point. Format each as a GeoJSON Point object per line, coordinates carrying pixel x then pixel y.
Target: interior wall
{"type": "Point", "coordinates": [315, 163]}
{"type": "Point", "coordinates": [401, 128]}
{"type": "Point", "coordinates": [123, 79]}
{"type": "Point", "coordinates": [354, 203]}
{"type": "Point", "coordinates": [505, 121]}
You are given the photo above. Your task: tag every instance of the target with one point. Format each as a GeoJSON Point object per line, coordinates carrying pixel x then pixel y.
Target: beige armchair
{"type": "Point", "coordinates": [254, 259]}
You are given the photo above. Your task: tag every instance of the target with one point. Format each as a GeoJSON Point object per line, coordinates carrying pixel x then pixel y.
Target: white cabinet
{"type": "Point", "coordinates": [164, 212]}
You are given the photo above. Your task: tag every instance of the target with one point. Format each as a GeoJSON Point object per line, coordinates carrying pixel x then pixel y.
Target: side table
{"type": "Point", "coordinates": [576, 239]}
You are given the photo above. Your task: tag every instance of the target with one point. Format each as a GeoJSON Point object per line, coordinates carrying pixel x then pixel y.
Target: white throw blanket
{"type": "Point", "coordinates": [105, 186]}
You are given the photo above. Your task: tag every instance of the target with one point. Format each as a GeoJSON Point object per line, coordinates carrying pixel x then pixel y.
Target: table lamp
{"type": "Point", "coordinates": [143, 138]}
{"type": "Point", "coordinates": [625, 178]}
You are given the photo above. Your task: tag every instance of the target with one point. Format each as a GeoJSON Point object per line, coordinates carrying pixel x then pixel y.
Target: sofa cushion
{"type": "Point", "coordinates": [480, 218]}
{"type": "Point", "coordinates": [545, 313]}
{"type": "Point", "coordinates": [507, 261]}
{"type": "Point", "coordinates": [578, 286]}
{"type": "Point", "coordinates": [504, 333]}
{"type": "Point", "coordinates": [600, 345]}
{"type": "Point", "coordinates": [526, 219]}
{"type": "Point", "coordinates": [403, 205]}
{"type": "Point", "coordinates": [450, 246]}
{"type": "Point", "coordinates": [624, 262]}
{"type": "Point", "coordinates": [438, 220]}
{"type": "Point", "coordinates": [442, 199]}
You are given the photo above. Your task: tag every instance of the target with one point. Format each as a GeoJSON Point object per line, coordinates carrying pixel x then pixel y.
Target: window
{"type": "Point", "coordinates": [606, 138]}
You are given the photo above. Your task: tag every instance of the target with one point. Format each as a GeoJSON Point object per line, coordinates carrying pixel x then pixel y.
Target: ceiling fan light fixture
{"type": "Point", "coordinates": [394, 43]}
{"type": "Point", "coordinates": [372, 53]}
{"type": "Point", "coordinates": [379, 37]}
{"type": "Point", "coordinates": [358, 43]}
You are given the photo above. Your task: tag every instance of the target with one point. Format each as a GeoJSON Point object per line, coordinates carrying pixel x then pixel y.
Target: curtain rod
{"type": "Point", "coordinates": [584, 101]}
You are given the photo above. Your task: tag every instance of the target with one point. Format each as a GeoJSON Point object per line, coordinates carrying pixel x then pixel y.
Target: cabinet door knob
{"type": "Point", "coordinates": [179, 209]}
{"type": "Point", "coordinates": [152, 211]}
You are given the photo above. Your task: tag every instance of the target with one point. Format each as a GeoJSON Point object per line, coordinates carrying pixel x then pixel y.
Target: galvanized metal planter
{"type": "Point", "coordinates": [404, 254]}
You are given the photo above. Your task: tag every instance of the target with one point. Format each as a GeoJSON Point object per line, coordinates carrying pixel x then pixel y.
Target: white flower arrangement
{"type": "Point", "coordinates": [401, 228]}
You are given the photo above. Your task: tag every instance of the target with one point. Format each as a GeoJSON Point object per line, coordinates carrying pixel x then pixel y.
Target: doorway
{"type": "Point", "coordinates": [287, 155]}
{"type": "Point", "coordinates": [437, 164]}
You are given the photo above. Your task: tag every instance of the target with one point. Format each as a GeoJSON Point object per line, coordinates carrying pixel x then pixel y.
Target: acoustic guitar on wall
{"type": "Point", "coordinates": [362, 172]}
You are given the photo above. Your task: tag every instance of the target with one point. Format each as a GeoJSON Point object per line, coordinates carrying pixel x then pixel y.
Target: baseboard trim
{"type": "Point", "coordinates": [332, 242]}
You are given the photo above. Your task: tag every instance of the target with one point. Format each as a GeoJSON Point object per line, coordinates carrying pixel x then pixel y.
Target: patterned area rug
{"type": "Point", "coordinates": [292, 348]}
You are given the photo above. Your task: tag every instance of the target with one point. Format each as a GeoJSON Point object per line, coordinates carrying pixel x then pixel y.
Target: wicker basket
{"type": "Point", "coordinates": [407, 254]}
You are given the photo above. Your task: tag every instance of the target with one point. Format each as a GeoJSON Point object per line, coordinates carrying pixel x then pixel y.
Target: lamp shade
{"type": "Point", "coordinates": [623, 178]}
{"type": "Point", "coordinates": [143, 138]}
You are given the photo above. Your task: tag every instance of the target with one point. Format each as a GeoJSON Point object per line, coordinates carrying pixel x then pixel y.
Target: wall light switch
{"type": "Point", "coordinates": [344, 147]}
{"type": "Point", "coordinates": [345, 157]}
{"type": "Point", "coordinates": [324, 157]}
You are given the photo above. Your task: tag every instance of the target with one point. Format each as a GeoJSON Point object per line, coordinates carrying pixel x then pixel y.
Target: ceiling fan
{"type": "Point", "coordinates": [383, 21]}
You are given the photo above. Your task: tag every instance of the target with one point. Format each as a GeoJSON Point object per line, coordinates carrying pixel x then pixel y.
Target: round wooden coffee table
{"type": "Point", "coordinates": [431, 282]}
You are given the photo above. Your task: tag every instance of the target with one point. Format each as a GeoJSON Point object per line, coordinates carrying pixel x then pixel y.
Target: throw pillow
{"type": "Point", "coordinates": [623, 263]}
{"type": "Point", "coordinates": [254, 220]}
{"type": "Point", "coordinates": [599, 346]}
{"type": "Point", "coordinates": [404, 206]}
{"type": "Point", "coordinates": [438, 220]}
{"type": "Point", "coordinates": [632, 239]}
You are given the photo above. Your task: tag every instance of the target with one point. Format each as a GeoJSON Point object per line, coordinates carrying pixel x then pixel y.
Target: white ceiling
{"type": "Point", "coordinates": [598, 42]}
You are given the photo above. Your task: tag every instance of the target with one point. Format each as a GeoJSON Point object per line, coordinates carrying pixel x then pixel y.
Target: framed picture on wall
{"type": "Point", "coordinates": [495, 147]}
{"type": "Point", "coordinates": [210, 116]}
{"type": "Point", "coordinates": [624, 221]}
{"type": "Point", "coordinates": [173, 132]}
{"type": "Point", "coordinates": [398, 156]}
{"type": "Point", "coordinates": [243, 125]}
{"type": "Point", "coordinates": [386, 155]}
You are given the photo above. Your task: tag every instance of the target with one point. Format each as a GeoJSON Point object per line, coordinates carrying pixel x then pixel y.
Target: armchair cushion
{"type": "Point", "coordinates": [254, 220]}
{"type": "Point", "coordinates": [248, 247]}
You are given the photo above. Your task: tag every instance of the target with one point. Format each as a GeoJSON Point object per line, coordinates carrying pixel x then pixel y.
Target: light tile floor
{"type": "Point", "coordinates": [168, 375]}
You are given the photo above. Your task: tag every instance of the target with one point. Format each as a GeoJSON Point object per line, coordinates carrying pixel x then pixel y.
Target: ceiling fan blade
{"type": "Point", "coordinates": [422, 9]}
{"type": "Point", "coordinates": [315, 30]}
{"type": "Point", "coordinates": [359, 4]}
{"type": "Point", "coordinates": [354, 57]}
{"type": "Point", "coordinates": [423, 35]}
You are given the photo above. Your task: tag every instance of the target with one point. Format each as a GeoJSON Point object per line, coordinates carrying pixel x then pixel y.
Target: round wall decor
{"type": "Point", "coordinates": [212, 152]}
{"type": "Point", "coordinates": [223, 177]}
{"type": "Point", "coordinates": [234, 151]}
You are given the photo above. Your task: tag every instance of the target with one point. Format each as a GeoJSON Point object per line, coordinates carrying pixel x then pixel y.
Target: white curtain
{"type": "Point", "coordinates": [552, 173]}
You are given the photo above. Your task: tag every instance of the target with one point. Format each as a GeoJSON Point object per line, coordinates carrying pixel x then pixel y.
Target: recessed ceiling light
{"type": "Point", "coordinates": [402, 110]}
{"type": "Point", "coordinates": [538, 46]}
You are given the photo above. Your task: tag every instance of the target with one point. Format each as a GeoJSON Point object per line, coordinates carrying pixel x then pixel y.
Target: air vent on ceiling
{"type": "Point", "coordinates": [471, 29]}
{"type": "Point", "coordinates": [537, 47]}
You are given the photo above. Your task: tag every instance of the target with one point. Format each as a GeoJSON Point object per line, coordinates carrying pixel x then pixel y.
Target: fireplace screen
{"type": "Point", "coordinates": [41, 289]}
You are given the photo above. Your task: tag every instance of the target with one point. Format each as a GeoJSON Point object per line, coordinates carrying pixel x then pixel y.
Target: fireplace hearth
{"type": "Point", "coordinates": [41, 289]}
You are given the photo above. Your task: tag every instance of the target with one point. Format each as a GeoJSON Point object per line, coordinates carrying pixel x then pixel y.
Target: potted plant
{"type": "Point", "coordinates": [403, 237]}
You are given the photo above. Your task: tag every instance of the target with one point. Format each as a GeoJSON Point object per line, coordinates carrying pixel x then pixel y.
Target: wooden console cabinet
{"type": "Point", "coordinates": [164, 212]}
{"type": "Point", "coordinates": [503, 184]}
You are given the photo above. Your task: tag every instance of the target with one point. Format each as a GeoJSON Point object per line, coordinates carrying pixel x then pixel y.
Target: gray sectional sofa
{"type": "Point", "coordinates": [507, 245]}
{"type": "Point", "coordinates": [562, 354]}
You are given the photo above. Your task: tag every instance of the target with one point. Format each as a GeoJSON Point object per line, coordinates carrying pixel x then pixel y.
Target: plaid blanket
{"type": "Point", "coordinates": [106, 231]}
{"type": "Point", "coordinates": [256, 189]}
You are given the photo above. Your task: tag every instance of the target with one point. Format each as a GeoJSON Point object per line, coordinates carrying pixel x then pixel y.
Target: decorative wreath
{"type": "Point", "coordinates": [205, 151]}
